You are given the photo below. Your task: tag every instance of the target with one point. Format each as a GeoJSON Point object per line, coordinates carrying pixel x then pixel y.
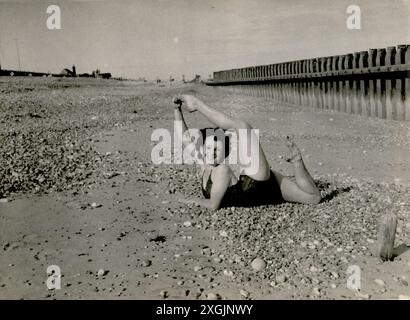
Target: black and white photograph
{"type": "Point", "coordinates": [204, 150]}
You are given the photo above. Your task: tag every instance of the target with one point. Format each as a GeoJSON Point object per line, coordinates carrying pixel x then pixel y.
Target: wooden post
{"type": "Point", "coordinates": [348, 84]}
{"type": "Point", "coordinates": [372, 101]}
{"type": "Point", "coordinates": [364, 86]}
{"type": "Point", "coordinates": [292, 85]}
{"type": "Point", "coordinates": [401, 83]}
{"type": "Point", "coordinates": [380, 85]}
{"type": "Point", "coordinates": [336, 88]}
{"type": "Point", "coordinates": [356, 85]}
{"type": "Point", "coordinates": [310, 84]}
{"type": "Point", "coordinates": [342, 95]}
{"type": "Point", "coordinates": [287, 84]}
{"type": "Point", "coordinates": [329, 85]}
{"type": "Point", "coordinates": [303, 84]}
{"type": "Point", "coordinates": [371, 93]}
{"type": "Point", "coordinates": [320, 96]}
{"type": "Point", "coordinates": [390, 60]}
{"type": "Point", "coordinates": [406, 89]}
{"type": "Point", "coordinates": [386, 236]}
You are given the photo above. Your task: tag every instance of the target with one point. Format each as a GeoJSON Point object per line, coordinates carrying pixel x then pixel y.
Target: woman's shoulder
{"type": "Point", "coordinates": [222, 170]}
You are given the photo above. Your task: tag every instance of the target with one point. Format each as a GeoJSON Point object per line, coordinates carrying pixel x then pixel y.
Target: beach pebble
{"type": "Point", "coordinates": [258, 264]}
{"type": "Point", "coordinates": [163, 294]}
{"type": "Point", "coordinates": [316, 291]}
{"type": "Point", "coordinates": [4, 200]}
{"type": "Point", "coordinates": [212, 296]}
{"type": "Point", "coordinates": [228, 273]}
{"type": "Point", "coordinates": [280, 278]}
{"type": "Point", "coordinates": [244, 293]}
{"type": "Point", "coordinates": [102, 272]}
{"type": "Point", "coordinates": [187, 224]}
{"type": "Point", "coordinates": [380, 282]}
{"type": "Point", "coordinates": [146, 263]}
{"type": "Point", "coordinates": [223, 233]}
{"type": "Point", "coordinates": [361, 295]}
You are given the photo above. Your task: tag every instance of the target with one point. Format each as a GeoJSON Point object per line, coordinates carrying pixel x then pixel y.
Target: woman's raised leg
{"type": "Point", "coordinates": [303, 178]}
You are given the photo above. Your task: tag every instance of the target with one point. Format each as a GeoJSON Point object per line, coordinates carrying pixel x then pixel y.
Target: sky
{"type": "Point", "coordinates": [159, 38]}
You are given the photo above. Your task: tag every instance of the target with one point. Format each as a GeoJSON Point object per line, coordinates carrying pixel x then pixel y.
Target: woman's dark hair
{"type": "Point", "coordinates": [219, 135]}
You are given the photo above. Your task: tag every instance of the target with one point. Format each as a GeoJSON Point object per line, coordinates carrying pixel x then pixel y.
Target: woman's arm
{"type": "Point", "coordinates": [221, 178]}
{"type": "Point", "coordinates": [180, 126]}
{"type": "Point", "coordinates": [218, 118]}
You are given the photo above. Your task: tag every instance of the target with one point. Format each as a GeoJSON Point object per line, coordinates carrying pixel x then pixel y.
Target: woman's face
{"type": "Point", "coordinates": [214, 151]}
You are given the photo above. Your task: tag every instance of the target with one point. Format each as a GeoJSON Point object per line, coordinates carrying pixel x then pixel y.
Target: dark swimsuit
{"type": "Point", "coordinates": [248, 192]}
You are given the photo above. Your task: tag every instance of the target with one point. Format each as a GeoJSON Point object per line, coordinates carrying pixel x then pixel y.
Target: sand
{"type": "Point", "coordinates": [78, 190]}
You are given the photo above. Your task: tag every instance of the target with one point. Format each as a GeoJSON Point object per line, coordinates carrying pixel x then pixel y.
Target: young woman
{"type": "Point", "coordinates": [253, 186]}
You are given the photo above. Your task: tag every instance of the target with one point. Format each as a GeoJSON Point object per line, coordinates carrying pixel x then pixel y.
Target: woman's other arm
{"type": "Point", "coordinates": [221, 177]}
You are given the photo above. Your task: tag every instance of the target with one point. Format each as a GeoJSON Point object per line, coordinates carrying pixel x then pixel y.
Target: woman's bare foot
{"type": "Point", "coordinates": [294, 154]}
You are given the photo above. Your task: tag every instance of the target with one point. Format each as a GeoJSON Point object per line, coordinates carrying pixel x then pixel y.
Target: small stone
{"type": "Point", "coordinates": [180, 282]}
{"type": "Point", "coordinates": [197, 268]}
{"type": "Point", "coordinates": [361, 295]}
{"type": "Point", "coordinates": [101, 272]}
{"type": "Point", "coordinates": [187, 224]}
{"type": "Point", "coordinates": [316, 291]}
{"type": "Point", "coordinates": [258, 264]}
{"type": "Point", "coordinates": [280, 278]}
{"type": "Point", "coordinates": [212, 296]}
{"type": "Point", "coordinates": [244, 293]}
{"type": "Point", "coordinates": [379, 282]}
{"type": "Point", "coordinates": [95, 205]}
{"type": "Point", "coordinates": [228, 273]}
{"type": "Point", "coordinates": [4, 200]}
{"type": "Point", "coordinates": [333, 286]}
{"type": "Point", "coordinates": [146, 263]}
{"type": "Point", "coordinates": [223, 233]}
{"type": "Point", "coordinates": [217, 260]}
{"type": "Point", "coordinates": [163, 294]}
{"type": "Point", "coordinates": [313, 269]}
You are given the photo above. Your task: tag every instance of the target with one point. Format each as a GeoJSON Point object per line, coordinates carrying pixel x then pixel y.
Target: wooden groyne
{"type": "Point", "coordinates": [373, 83]}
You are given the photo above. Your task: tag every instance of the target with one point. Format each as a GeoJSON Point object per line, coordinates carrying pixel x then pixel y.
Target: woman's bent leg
{"type": "Point", "coordinates": [303, 178]}
{"type": "Point", "coordinates": [293, 193]}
